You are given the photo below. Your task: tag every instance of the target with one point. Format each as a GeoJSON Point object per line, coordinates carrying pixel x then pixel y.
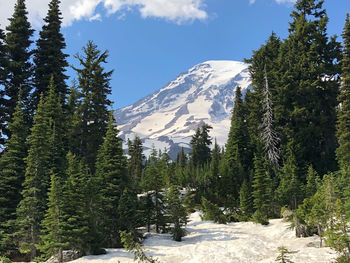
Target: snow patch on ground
{"type": "Point", "coordinates": [243, 242]}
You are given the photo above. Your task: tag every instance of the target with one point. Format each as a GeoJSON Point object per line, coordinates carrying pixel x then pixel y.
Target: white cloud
{"type": "Point", "coordinates": [251, 2]}
{"type": "Point", "coordinates": [178, 11]}
{"type": "Point", "coordinates": [96, 17]}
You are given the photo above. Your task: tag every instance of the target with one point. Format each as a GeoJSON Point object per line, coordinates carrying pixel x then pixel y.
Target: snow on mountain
{"type": "Point", "coordinates": [243, 242]}
{"type": "Point", "coordinates": [169, 117]}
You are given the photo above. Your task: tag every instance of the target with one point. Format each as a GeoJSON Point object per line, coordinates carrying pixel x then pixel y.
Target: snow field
{"type": "Point", "coordinates": [243, 242]}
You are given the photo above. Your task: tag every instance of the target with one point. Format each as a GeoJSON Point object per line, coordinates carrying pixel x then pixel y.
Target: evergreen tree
{"type": "Point", "coordinates": [176, 213]}
{"type": "Point", "coordinates": [46, 156]}
{"type": "Point", "coordinates": [152, 182]}
{"type": "Point", "coordinates": [246, 205]}
{"type": "Point", "coordinates": [92, 113]}
{"type": "Point", "coordinates": [52, 239]}
{"type": "Point", "coordinates": [129, 213]}
{"type": "Point", "coordinates": [49, 57]}
{"type": "Point", "coordinates": [343, 127]}
{"type": "Point", "coordinates": [135, 162]}
{"type": "Point", "coordinates": [58, 131]}
{"type": "Point", "coordinates": [12, 170]}
{"type": "Point", "coordinates": [200, 142]}
{"type": "Point", "coordinates": [262, 66]}
{"type": "Point", "coordinates": [289, 191]}
{"type": "Point", "coordinates": [3, 78]}
{"type": "Point", "coordinates": [307, 90]}
{"type": "Point", "coordinates": [32, 207]}
{"type": "Point", "coordinates": [312, 182]}
{"type": "Point", "coordinates": [261, 187]}
{"type": "Point", "coordinates": [19, 67]}
{"type": "Point", "coordinates": [111, 171]}
{"type": "Point", "coordinates": [238, 154]}
{"type": "Point", "coordinates": [75, 204]}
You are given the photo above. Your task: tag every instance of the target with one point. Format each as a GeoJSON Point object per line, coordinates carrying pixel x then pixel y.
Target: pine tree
{"type": "Point", "coordinates": [135, 162]}
{"type": "Point", "coordinates": [3, 78]}
{"type": "Point", "coordinates": [263, 58]}
{"type": "Point", "coordinates": [58, 130]}
{"type": "Point", "coordinates": [92, 113]}
{"type": "Point", "coordinates": [46, 156]}
{"type": "Point", "coordinates": [52, 239]}
{"type": "Point", "coordinates": [312, 182]}
{"type": "Point", "coordinates": [200, 142]}
{"type": "Point", "coordinates": [307, 90]}
{"type": "Point", "coordinates": [49, 57]}
{"type": "Point", "coordinates": [111, 171]}
{"type": "Point", "coordinates": [261, 187]}
{"type": "Point", "coordinates": [343, 127]}
{"type": "Point", "coordinates": [12, 170]}
{"type": "Point", "coordinates": [246, 201]}
{"type": "Point", "coordinates": [289, 189]}
{"type": "Point", "coordinates": [129, 213]}
{"type": "Point", "coordinates": [176, 213]}
{"type": "Point", "coordinates": [75, 212]}
{"type": "Point", "coordinates": [152, 182]}
{"type": "Point", "coordinates": [19, 67]}
{"type": "Point", "coordinates": [32, 207]}
{"type": "Point", "coordinates": [238, 154]}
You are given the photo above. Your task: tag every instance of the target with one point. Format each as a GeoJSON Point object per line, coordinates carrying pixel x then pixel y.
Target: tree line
{"type": "Point", "coordinates": [66, 183]}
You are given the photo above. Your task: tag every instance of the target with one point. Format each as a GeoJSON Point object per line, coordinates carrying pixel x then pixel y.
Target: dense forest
{"type": "Point", "coordinates": [67, 184]}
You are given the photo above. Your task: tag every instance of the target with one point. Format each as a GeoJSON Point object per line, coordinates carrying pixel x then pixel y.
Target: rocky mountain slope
{"type": "Point", "coordinates": [169, 117]}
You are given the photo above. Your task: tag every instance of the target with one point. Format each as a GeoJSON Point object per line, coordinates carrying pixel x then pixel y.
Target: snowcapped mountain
{"type": "Point", "coordinates": [169, 117]}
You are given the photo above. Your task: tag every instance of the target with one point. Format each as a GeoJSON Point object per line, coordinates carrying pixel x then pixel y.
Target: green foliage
{"type": "Point", "coordinates": [176, 213]}
{"type": "Point", "coordinates": [152, 182]}
{"type": "Point", "coordinates": [19, 68]}
{"type": "Point", "coordinates": [46, 156]}
{"type": "Point", "coordinates": [135, 162]}
{"type": "Point", "coordinates": [49, 57]}
{"type": "Point", "coordinates": [32, 207]}
{"type": "Point", "coordinates": [261, 188]}
{"type": "Point", "coordinates": [111, 173]}
{"type": "Point", "coordinates": [134, 247]}
{"type": "Point", "coordinates": [343, 125]}
{"type": "Point", "coordinates": [92, 114]}
{"type": "Point", "coordinates": [200, 142]}
{"type": "Point", "coordinates": [289, 190]}
{"type": "Point", "coordinates": [12, 170]}
{"type": "Point", "coordinates": [283, 255]}
{"type": "Point", "coordinates": [238, 154]}
{"type": "Point", "coordinates": [52, 241]}
{"type": "Point", "coordinates": [5, 260]}
{"type": "Point", "coordinates": [129, 213]}
{"type": "Point", "coordinates": [212, 212]}
{"type": "Point", "coordinates": [245, 201]}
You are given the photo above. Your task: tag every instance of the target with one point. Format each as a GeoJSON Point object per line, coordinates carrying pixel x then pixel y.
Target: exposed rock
{"type": "Point", "coordinates": [287, 215]}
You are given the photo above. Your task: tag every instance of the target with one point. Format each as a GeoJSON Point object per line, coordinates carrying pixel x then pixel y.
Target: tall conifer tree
{"type": "Point", "coordinates": [343, 128]}
{"type": "Point", "coordinates": [19, 67]}
{"type": "Point", "coordinates": [49, 57]}
{"type": "Point", "coordinates": [307, 88]}
{"type": "Point", "coordinates": [3, 78]}
{"type": "Point", "coordinates": [92, 114]}
{"type": "Point", "coordinates": [12, 170]}
{"type": "Point", "coordinates": [111, 171]}
{"type": "Point", "coordinates": [238, 154]}
{"type": "Point", "coordinates": [46, 156]}
{"type": "Point", "coordinates": [32, 207]}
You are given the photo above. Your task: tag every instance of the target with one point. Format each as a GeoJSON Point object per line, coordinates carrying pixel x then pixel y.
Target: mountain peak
{"type": "Point", "coordinates": [169, 117]}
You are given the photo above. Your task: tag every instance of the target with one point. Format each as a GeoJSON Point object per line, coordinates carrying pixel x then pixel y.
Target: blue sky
{"type": "Point", "coordinates": [151, 41]}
